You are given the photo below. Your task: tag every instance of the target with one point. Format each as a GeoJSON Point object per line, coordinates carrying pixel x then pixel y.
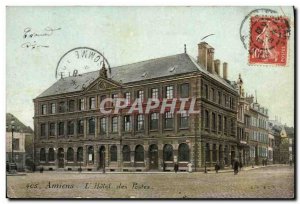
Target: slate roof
{"type": "Point", "coordinates": [149, 69]}
{"type": "Point", "coordinates": [19, 126]}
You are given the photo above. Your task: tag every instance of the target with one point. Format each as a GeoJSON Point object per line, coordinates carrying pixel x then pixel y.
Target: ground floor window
{"type": "Point", "coordinates": [42, 155]}
{"type": "Point", "coordinates": [168, 152]}
{"type": "Point", "coordinates": [113, 153]}
{"type": "Point", "coordinates": [126, 153]}
{"type": "Point", "coordinates": [51, 155]}
{"type": "Point", "coordinates": [183, 152]}
{"type": "Point", "coordinates": [139, 153]}
{"type": "Point", "coordinates": [70, 154]}
{"type": "Point", "coordinates": [80, 154]}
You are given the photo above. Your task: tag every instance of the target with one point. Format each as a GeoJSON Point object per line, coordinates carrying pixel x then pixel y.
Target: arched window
{"type": "Point", "coordinates": [214, 152]}
{"type": "Point", "coordinates": [183, 152]}
{"type": "Point", "coordinates": [42, 155]}
{"type": "Point", "coordinates": [91, 154]}
{"type": "Point", "coordinates": [80, 154]}
{"type": "Point", "coordinates": [126, 153]}
{"type": "Point", "coordinates": [139, 153]}
{"type": "Point", "coordinates": [51, 155]}
{"type": "Point", "coordinates": [168, 152]}
{"type": "Point", "coordinates": [113, 153]}
{"type": "Point", "coordinates": [70, 154]}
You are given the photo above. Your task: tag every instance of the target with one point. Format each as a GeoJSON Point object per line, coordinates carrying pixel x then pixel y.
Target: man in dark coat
{"type": "Point", "coordinates": [236, 165]}
{"type": "Point", "coordinates": [217, 167]}
{"type": "Point", "coordinates": [176, 167]}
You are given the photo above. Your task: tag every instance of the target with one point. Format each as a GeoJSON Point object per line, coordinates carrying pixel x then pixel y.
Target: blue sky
{"type": "Point", "coordinates": [132, 34]}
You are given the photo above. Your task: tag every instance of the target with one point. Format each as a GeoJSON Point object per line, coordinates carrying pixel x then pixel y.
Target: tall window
{"type": "Point", "coordinates": [169, 92]}
{"type": "Point", "coordinates": [232, 127]}
{"type": "Point", "coordinates": [70, 128]}
{"type": "Point", "coordinates": [168, 152]}
{"type": "Point", "coordinates": [139, 153]}
{"type": "Point", "coordinates": [154, 93]}
{"type": "Point", "coordinates": [92, 126]}
{"type": "Point", "coordinates": [43, 130]}
{"type": "Point", "coordinates": [92, 103]}
{"type": "Point", "coordinates": [114, 98]}
{"type": "Point", "coordinates": [212, 94]}
{"type": "Point", "coordinates": [219, 97]}
{"type": "Point", "coordinates": [113, 153]}
{"type": "Point", "coordinates": [80, 154]}
{"type": "Point", "coordinates": [127, 98]}
{"type": "Point", "coordinates": [219, 123]}
{"type": "Point", "coordinates": [225, 125]}
{"type": "Point", "coordinates": [114, 125]}
{"type": "Point", "coordinates": [103, 128]}
{"type": "Point", "coordinates": [127, 123]}
{"type": "Point", "coordinates": [51, 155]}
{"type": "Point", "coordinates": [80, 127]}
{"type": "Point", "coordinates": [154, 121]}
{"type": "Point", "coordinates": [140, 122]}
{"type": "Point", "coordinates": [42, 155]}
{"type": "Point", "coordinates": [183, 152]}
{"type": "Point", "coordinates": [52, 129]}
{"type": "Point", "coordinates": [70, 154]}
{"type": "Point", "coordinates": [81, 104]}
{"type": "Point", "coordinates": [44, 109]}
{"type": "Point", "coordinates": [140, 95]}
{"type": "Point", "coordinates": [61, 107]}
{"type": "Point", "coordinates": [206, 91]}
{"type": "Point", "coordinates": [184, 120]}
{"type": "Point", "coordinates": [53, 108]}
{"type": "Point", "coordinates": [184, 90]}
{"type": "Point", "coordinates": [206, 119]}
{"type": "Point", "coordinates": [169, 120]}
{"type": "Point", "coordinates": [225, 100]}
{"type": "Point", "coordinates": [71, 105]}
{"type": "Point", "coordinates": [126, 153]}
{"type": "Point", "coordinates": [214, 121]}
{"type": "Point", "coordinates": [61, 128]}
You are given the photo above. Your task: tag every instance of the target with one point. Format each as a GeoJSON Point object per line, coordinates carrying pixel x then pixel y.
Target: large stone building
{"type": "Point", "coordinates": [71, 132]}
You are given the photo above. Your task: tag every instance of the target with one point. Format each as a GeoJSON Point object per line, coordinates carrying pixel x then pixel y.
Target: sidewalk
{"type": "Point", "coordinates": [210, 171]}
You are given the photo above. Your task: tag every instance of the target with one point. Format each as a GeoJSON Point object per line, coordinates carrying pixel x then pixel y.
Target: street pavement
{"type": "Point", "coordinates": [262, 182]}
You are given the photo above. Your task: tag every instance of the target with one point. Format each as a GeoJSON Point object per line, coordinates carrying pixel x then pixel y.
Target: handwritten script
{"type": "Point", "coordinates": [29, 34]}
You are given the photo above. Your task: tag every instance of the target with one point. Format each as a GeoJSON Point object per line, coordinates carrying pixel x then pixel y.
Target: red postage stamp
{"type": "Point", "coordinates": [269, 40]}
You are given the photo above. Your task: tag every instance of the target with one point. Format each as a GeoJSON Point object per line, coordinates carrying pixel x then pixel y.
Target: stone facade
{"type": "Point", "coordinates": [71, 132]}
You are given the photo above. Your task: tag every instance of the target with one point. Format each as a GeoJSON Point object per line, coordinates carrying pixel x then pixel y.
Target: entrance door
{"type": "Point", "coordinates": [153, 156]}
{"type": "Point", "coordinates": [61, 158]}
{"type": "Point", "coordinates": [101, 157]}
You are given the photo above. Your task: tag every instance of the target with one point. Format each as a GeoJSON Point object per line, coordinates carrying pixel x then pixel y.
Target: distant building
{"type": "Point", "coordinates": [258, 135]}
{"type": "Point", "coordinates": [243, 124]}
{"type": "Point", "coordinates": [22, 142]}
{"type": "Point", "coordinates": [284, 145]}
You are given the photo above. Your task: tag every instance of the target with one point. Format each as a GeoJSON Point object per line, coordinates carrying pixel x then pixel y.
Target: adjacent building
{"type": "Point", "coordinates": [19, 142]}
{"type": "Point", "coordinates": [258, 131]}
{"type": "Point", "coordinates": [71, 132]}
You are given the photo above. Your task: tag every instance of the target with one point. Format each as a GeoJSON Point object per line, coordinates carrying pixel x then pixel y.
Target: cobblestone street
{"type": "Point", "coordinates": [266, 182]}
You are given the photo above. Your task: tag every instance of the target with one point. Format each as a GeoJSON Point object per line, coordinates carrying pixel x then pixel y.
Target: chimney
{"type": "Point", "coordinates": [225, 65]}
{"type": "Point", "coordinates": [217, 66]}
{"type": "Point", "coordinates": [206, 56]}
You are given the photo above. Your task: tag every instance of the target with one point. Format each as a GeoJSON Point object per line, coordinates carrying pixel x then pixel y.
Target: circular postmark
{"type": "Point", "coordinates": [80, 60]}
{"type": "Point", "coordinates": [244, 27]}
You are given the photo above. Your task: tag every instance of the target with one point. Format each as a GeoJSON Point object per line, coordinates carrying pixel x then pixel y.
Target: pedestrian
{"type": "Point", "coordinates": [236, 165]}
{"type": "Point", "coordinates": [176, 167]}
{"type": "Point", "coordinates": [164, 166]}
{"type": "Point", "coordinates": [217, 167]}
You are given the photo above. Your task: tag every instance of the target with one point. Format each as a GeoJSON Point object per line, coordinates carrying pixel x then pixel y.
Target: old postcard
{"type": "Point", "coordinates": [150, 102]}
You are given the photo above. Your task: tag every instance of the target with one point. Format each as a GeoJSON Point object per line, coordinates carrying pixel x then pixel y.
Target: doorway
{"type": "Point", "coordinates": [61, 158]}
{"type": "Point", "coordinates": [153, 156]}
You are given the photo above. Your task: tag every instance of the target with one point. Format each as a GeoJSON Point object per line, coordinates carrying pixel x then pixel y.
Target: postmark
{"type": "Point", "coordinates": [268, 40]}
